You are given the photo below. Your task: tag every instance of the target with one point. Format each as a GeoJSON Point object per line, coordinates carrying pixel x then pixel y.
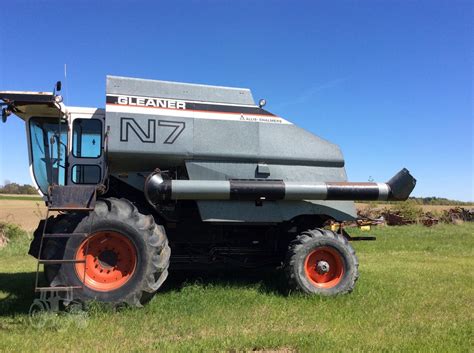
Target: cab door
{"type": "Point", "coordinates": [47, 133]}
{"type": "Point", "coordinates": [86, 160]}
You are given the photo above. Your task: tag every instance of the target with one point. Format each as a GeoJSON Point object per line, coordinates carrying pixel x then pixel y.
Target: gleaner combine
{"type": "Point", "coordinates": [197, 175]}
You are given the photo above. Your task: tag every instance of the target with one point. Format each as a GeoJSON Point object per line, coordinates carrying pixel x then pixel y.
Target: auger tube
{"type": "Point", "coordinates": [157, 189]}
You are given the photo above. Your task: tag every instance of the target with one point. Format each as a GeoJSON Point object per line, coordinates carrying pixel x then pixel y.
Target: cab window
{"type": "Point", "coordinates": [86, 174]}
{"type": "Point", "coordinates": [48, 142]}
{"type": "Point", "coordinates": [87, 138]}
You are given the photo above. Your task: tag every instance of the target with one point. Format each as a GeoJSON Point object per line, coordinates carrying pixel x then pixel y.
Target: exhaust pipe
{"type": "Point", "coordinates": [158, 189]}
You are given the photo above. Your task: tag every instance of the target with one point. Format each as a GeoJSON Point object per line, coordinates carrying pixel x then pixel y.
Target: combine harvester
{"type": "Point", "coordinates": [197, 175]}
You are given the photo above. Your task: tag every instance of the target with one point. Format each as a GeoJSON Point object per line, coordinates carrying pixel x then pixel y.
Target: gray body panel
{"type": "Point", "coordinates": [225, 146]}
{"type": "Point", "coordinates": [215, 140]}
{"type": "Point", "coordinates": [178, 90]}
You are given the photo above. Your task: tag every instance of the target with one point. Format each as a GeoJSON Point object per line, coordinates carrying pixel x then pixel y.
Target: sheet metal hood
{"type": "Point", "coordinates": [26, 104]}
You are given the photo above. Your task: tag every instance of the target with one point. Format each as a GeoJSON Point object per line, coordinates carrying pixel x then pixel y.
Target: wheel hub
{"type": "Point", "coordinates": [110, 260]}
{"type": "Point", "coordinates": [322, 267]}
{"type": "Point", "coordinates": [107, 259]}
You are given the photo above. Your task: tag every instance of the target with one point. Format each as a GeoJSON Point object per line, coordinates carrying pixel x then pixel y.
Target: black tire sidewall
{"type": "Point", "coordinates": [349, 265]}
{"type": "Point", "coordinates": [69, 275]}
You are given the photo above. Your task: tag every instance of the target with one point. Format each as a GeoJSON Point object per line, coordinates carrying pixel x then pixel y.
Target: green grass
{"type": "Point", "coordinates": [21, 197]}
{"type": "Point", "coordinates": [415, 293]}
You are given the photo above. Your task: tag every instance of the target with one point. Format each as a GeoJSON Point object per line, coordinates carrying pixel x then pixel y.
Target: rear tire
{"type": "Point", "coordinates": [127, 256]}
{"type": "Point", "coordinates": [321, 262]}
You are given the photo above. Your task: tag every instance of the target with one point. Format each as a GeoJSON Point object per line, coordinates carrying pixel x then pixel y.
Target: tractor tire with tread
{"type": "Point", "coordinates": [337, 252]}
{"type": "Point", "coordinates": [119, 216]}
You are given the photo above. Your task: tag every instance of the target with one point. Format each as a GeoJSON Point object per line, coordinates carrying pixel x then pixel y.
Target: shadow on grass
{"type": "Point", "coordinates": [267, 281]}
{"type": "Point", "coordinates": [20, 292]}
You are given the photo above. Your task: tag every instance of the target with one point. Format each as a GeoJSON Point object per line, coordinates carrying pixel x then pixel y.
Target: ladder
{"type": "Point", "coordinates": [76, 198]}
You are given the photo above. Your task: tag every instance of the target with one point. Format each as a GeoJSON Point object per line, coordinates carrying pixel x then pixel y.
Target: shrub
{"type": "Point", "coordinates": [409, 210]}
{"type": "Point", "coordinates": [11, 232]}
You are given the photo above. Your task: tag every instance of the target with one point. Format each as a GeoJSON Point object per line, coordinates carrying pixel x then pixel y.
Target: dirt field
{"type": "Point", "coordinates": [25, 213]}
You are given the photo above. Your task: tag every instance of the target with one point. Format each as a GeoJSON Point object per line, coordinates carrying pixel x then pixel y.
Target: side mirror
{"type": "Point", "coordinates": [5, 114]}
{"type": "Point", "coordinates": [261, 103]}
{"type": "Point", "coordinates": [58, 86]}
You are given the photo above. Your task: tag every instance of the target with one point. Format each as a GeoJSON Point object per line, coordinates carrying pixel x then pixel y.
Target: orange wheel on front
{"type": "Point", "coordinates": [110, 261]}
{"type": "Point", "coordinates": [324, 267]}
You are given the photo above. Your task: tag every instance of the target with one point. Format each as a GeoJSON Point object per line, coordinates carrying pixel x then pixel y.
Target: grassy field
{"type": "Point", "coordinates": [20, 197]}
{"type": "Point", "coordinates": [414, 294]}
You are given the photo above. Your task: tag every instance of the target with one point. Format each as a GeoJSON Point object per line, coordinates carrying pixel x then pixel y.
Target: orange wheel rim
{"type": "Point", "coordinates": [110, 261]}
{"type": "Point", "coordinates": [324, 267]}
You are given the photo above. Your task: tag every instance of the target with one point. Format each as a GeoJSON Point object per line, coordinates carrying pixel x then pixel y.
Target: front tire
{"type": "Point", "coordinates": [321, 262]}
{"type": "Point", "coordinates": [125, 256]}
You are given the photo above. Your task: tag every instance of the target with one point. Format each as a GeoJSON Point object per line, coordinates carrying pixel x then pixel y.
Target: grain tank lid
{"type": "Point", "coordinates": [176, 90]}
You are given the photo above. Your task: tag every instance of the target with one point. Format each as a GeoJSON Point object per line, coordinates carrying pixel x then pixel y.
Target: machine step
{"type": "Point", "coordinates": [64, 235]}
{"type": "Point", "coordinates": [53, 262]}
{"type": "Point", "coordinates": [72, 197]}
{"type": "Point", "coordinates": [57, 289]}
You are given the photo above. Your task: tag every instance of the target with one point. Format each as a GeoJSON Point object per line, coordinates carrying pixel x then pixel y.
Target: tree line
{"type": "Point", "coordinates": [17, 189]}
{"type": "Point", "coordinates": [433, 200]}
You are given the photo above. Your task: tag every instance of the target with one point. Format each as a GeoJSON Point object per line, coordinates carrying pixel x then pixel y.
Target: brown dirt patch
{"type": "Point", "coordinates": [24, 213]}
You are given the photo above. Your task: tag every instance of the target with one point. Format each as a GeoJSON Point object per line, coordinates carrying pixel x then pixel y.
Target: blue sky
{"type": "Point", "coordinates": [389, 81]}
